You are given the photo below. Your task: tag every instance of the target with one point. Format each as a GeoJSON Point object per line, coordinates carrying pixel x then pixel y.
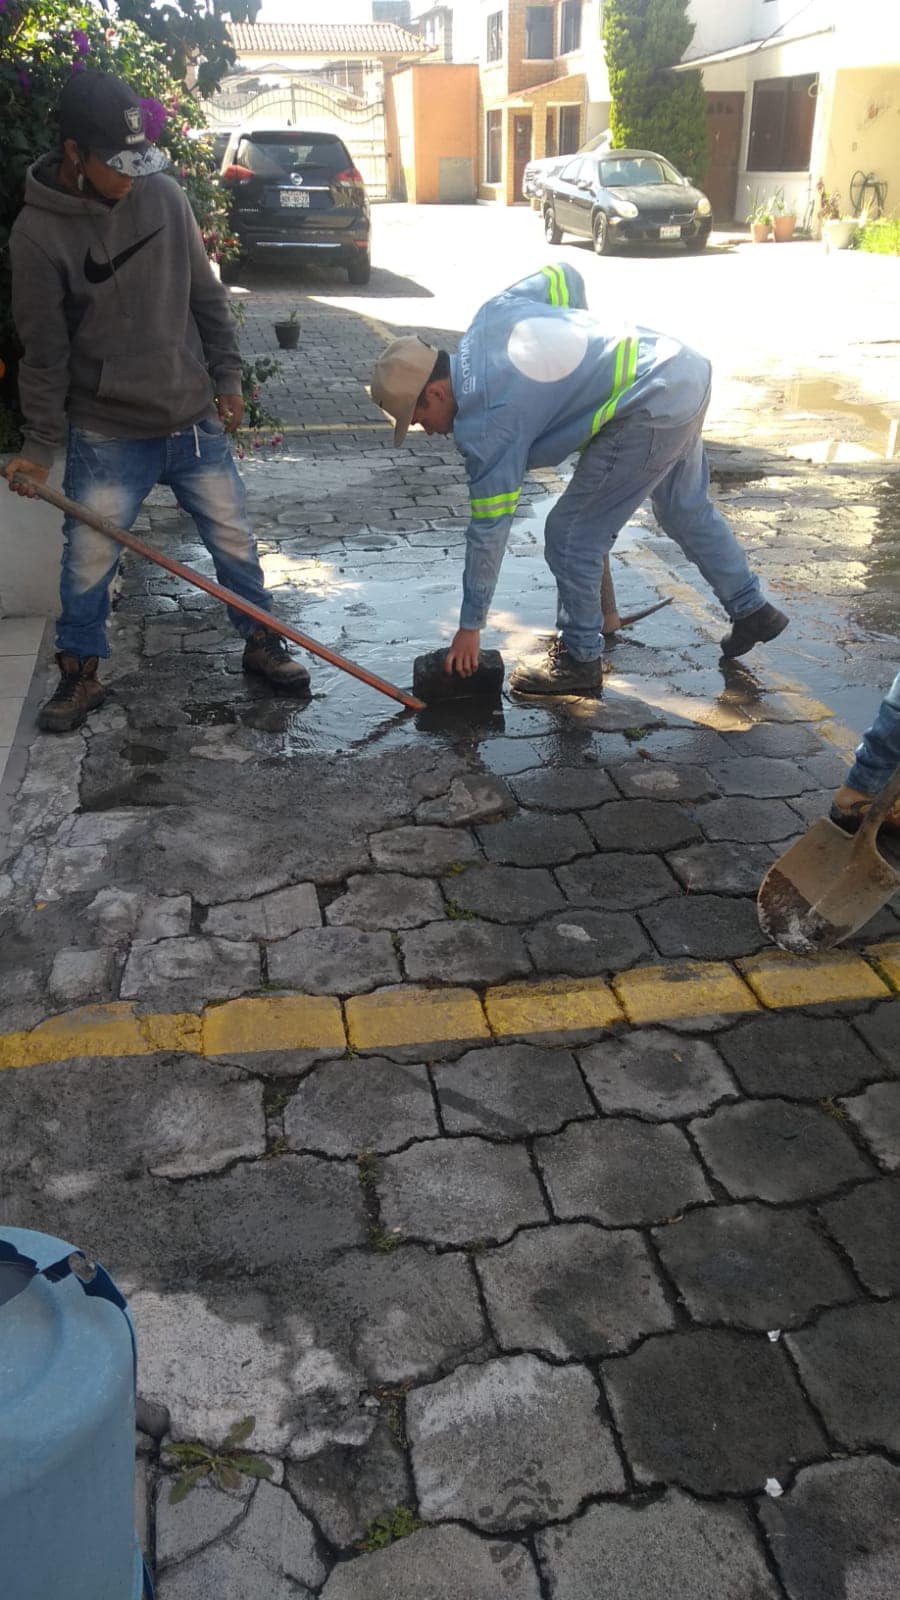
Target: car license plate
{"type": "Point", "coordinates": [670, 233]}
{"type": "Point", "coordinates": [300, 197]}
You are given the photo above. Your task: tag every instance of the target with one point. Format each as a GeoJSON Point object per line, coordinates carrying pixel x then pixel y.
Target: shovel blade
{"type": "Point", "coordinates": [822, 889]}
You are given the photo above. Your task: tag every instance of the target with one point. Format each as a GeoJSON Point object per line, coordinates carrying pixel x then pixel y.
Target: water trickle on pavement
{"type": "Point", "coordinates": [842, 429]}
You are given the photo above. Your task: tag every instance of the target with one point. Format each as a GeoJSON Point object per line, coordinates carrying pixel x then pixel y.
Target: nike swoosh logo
{"type": "Point", "coordinates": [99, 271]}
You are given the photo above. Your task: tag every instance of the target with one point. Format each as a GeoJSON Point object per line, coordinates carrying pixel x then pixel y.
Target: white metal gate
{"type": "Point", "coordinates": [311, 103]}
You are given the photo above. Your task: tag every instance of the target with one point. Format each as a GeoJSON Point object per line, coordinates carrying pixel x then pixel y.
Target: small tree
{"type": "Point", "coordinates": [654, 108]}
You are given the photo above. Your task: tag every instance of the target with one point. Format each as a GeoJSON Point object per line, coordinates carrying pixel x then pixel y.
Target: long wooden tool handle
{"type": "Point", "coordinates": [264, 618]}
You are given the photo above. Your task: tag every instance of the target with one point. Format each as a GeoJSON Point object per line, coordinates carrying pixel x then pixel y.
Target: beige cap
{"type": "Point", "coordinates": [399, 376]}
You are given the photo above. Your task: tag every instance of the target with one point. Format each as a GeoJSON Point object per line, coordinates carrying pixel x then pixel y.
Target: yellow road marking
{"type": "Point", "coordinates": [410, 1016]}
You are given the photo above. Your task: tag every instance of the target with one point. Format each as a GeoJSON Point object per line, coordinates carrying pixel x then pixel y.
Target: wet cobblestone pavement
{"type": "Point", "coordinates": [423, 1080]}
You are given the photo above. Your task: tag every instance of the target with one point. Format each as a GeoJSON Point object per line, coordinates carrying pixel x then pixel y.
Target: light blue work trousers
{"type": "Point", "coordinates": [630, 459]}
{"type": "Point", "coordinates": [113, 477]}
{"type": "Point", "coordinates": [878, 755]}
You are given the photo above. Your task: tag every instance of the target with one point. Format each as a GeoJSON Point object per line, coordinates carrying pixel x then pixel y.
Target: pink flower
{"type": "Point", "coordinates": [154, 116]}
{"type": "Point", "coordinates": [276, 440]}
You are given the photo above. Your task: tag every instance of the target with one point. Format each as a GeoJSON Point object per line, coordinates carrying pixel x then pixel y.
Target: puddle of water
{"type": "Point", "coordinates": [876, 434]}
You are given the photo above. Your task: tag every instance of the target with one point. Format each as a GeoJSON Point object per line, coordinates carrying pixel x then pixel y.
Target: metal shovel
{"type": "Point", "coordinates": [829, 883]}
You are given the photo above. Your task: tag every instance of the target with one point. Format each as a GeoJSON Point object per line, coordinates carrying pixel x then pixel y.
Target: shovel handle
{"type": "Point", "coordinates": [878, 810]}
{"type": "Point", "coordinates": [265, 619]}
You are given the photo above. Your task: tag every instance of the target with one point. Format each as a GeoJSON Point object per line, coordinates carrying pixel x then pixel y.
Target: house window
{"type": "Point", "coordinates": [569, 129]}
{"type": "Point", "coordinates": [781, 124]}
{"type": "Point", "coordinates": [494, 51]}
{"type": "Point", "coordinates": [493, 147]}
{"type": "Point", "coordinates": [539, 33]}
{"type": "Point", "coordinates": [569, 26]}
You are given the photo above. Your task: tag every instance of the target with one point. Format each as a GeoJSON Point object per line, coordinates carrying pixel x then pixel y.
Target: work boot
{"type": "Point", "coordinates": [266, 654]}
{"type": "Point", "coordinates": [765, 623]}
{"type": "Point", "coordinates": [849, 809]}
{"type": "Point", "coordinates": [558, 672]}
{"type": "Point", "coordinates": [79, 691]}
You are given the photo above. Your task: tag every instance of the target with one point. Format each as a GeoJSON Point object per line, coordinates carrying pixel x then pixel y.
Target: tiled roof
{"type": "Point", "coordinates": [327, 39]}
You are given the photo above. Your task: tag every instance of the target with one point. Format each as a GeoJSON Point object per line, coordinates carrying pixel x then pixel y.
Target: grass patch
{"type": "Point", "coordinates": [398, 1523]}
{"type": "Point", "coordinates": [881, 238]}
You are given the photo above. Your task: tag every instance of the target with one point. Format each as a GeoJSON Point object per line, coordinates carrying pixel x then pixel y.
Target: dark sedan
{"type": "Point", "coordinates": [624, 196]}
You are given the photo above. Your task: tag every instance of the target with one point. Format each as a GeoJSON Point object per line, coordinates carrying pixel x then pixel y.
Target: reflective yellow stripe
{"type": "Point", "coordinates": [559, 291]}
{"type": "Point", "coordinates": [495, 505]}
{"type": "Point", "coordinates": [623, 378]}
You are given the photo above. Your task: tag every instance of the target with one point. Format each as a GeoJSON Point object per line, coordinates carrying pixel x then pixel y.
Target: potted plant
{"type": "Point", "coordinates": [838, 231]}
{"type": "Point", "coordinates": [288, 333]}
{"type": "Point", "coordinates": [784, 217]}
{"type": "Point", "coordinates": [759, 217]}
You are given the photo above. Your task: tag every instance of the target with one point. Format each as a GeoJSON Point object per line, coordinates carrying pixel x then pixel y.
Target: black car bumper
{"type": "Point", "coordinates": [639, 230]}
{"type": "Point", "coordinates": [267, 244]}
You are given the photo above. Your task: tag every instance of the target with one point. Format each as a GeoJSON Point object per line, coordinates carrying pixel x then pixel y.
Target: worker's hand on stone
{"type": "Point", "coordinates": [462, 657]}
{"type": "Point", "coordinates": [231, 411]}
{"type": "Point", "coordinates": [32, 468]}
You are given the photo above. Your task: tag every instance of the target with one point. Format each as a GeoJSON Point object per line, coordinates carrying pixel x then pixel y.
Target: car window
{"type": "Point", "coordinates": [571, 169]}
{"type": "Point", "coordinates": [274, 155]}
{"type": "Point", "coordinates": [635, 172]}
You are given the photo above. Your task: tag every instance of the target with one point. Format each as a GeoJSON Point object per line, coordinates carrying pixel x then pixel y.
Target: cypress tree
{"type": "Point", "coordinates": [654, 108]}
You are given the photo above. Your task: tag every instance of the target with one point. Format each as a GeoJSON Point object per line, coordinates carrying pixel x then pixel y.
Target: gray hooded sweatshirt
{"type": "Point", "coordinates": [126, 329]}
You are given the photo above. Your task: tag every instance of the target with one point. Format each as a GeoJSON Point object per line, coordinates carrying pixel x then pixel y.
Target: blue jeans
{"type": "Point", "coordinates": [628, 460]}
{"type": "Point", "coordinates": [113, 477]}
{"type": "Point", "coordinates": [878, 755]}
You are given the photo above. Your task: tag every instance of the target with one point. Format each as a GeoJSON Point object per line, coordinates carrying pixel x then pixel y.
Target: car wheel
{"type": "Point", "coordinates": [552, 233]}
{"type": "Point", "coordinates": [601, 234]}
{"type": "Point", "coordinates": [360, 270]}
{"type": "Point", "coordinates": [698, 243]}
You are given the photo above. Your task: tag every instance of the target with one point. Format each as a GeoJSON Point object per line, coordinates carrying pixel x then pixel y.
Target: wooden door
{"type": "Point", "coordinates": [724, 120]}
{"type": "Point", "coordinates": [521, 152]}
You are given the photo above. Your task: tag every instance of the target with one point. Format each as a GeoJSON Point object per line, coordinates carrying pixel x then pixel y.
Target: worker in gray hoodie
{"type": "Point", "coordinates": [130, 348]}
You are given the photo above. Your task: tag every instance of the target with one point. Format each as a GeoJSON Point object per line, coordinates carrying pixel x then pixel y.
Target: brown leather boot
{"type": "Point", "coordinates": [266, 654]}
{"type": "Point", "coordinates": [79, 691]}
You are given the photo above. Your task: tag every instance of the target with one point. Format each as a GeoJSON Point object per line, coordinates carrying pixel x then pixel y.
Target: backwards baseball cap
{"type": "Point", "coordinates": [104, 115]}
{"type": "Point", "coordinates": [400, 374]}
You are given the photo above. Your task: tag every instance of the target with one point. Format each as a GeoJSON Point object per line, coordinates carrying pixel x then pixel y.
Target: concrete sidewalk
{"type": "Point", "coordinates": [425, 1083]}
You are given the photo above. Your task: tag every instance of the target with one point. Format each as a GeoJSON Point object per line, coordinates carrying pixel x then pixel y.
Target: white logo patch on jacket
{"type": "Point", "coordinates": [546, 349]}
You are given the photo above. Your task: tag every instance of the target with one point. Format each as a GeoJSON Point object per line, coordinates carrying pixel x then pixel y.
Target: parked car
{"type": "Point", "coordinates": [297, 196]}
{"type": "Point", "coordinates": [625, 196]}
{"type": "Point", "coordinates": [537, 172]}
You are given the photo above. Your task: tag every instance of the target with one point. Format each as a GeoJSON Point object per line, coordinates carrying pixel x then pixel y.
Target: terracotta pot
{"type": "Point", "coordinates": [783, 228]}
{"type": "Point", "coordinates": [759, 232]}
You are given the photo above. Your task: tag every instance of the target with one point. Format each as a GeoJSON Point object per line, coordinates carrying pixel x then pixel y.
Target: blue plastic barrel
{"type": "Point", "coordinates": [66, 1427]}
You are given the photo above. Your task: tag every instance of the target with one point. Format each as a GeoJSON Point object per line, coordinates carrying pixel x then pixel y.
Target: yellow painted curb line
{"type": "Point", "coordinates": [410, 1016]}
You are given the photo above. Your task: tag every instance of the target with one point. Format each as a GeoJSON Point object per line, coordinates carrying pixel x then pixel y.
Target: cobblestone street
{"type": "Point", "coordinates": [424, 1081]}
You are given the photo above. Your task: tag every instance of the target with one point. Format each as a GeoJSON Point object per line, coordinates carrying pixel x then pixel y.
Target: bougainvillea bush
{"type": "Point", "coordinates": [42, 42]}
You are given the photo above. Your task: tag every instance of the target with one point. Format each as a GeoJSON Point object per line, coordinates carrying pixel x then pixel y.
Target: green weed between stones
{"type": "Point", "coordinates": [225, 1465]}
{"type": "Point", "coordinates": [458, 913]}
{"type": "Point", "coordinates": [368, 1168]}
{"type": "Point", "coordinates": [398, 1523]}
{"type": "Point", "coordinates": [275, 1098]}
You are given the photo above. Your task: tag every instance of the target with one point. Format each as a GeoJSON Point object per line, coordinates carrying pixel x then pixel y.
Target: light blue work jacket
{"type": "Point", "coordinates": [535, 377]}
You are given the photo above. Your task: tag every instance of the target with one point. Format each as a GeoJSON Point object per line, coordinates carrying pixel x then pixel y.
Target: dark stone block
{"type": "Point", "coordinates": [867, 1224]}
{"type": "Point", "coordinates": [620, 1171]}
{"type": "Point", "coordinates": [641, 825]}
{"type": "Point", "coordinates": [616, 881]}
{"type": "Point", "coordinates": [536, 841]}
{"type": "Point", "coordinates": [848, 1363]}
{"type": "Point", "coordinates": [881, 1031]}
{"type": "Point", "coordinates": [803, 1057]}
{"type": "Point", "coordinates": [756, 821]}
{"type": "Point", "coordinates": [431, 683]}
{"type": "Point", "coordinates": [710, 926]}
{"type": "Point", "coordinates": [773, 1150]}
{"type": "Point", "coordinates": [585, 943]}
{"type": "Point", "coordinates": [563, 788]}
{"type": "Point", "coordinates": [835, 1533]}
{"type": "Point", "coordinates": [752, 1266]}
{"type": "Point", "coordinates": [716, 1412]}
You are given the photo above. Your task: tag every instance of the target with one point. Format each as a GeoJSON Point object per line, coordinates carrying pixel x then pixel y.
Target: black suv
{"type": "Point", "coordinates": [297, 196]}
